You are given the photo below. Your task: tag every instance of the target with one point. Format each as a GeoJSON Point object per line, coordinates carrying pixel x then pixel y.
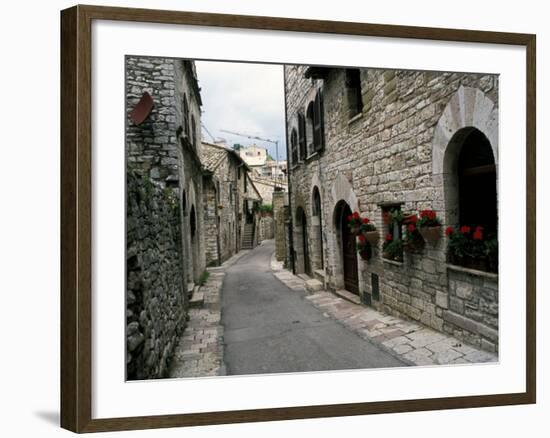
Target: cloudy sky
{"type": "Point", "coordinates": [245, 98]}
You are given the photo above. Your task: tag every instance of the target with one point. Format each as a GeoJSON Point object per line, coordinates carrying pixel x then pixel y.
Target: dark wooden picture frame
{"type": "Point", "coordinates": [76, 218]}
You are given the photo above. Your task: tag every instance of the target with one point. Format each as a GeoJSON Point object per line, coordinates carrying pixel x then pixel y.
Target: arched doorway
{"type": "Point", "coordinates": [346, 241]}
{"type": "Point", "coordinates": [317, 229]}
{"type": "Point", "coordinates": [302, 249]}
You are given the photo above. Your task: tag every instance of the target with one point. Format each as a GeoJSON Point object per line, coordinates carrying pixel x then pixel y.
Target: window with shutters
{"type": "Point", "coordinates": [353, 92]}
{"type": "Point", "coordinates": [318, 123]}
{"type": "Point", "coordinates": [309, 130]}
{"type": "Point", "coordinates": [185, 117]}
{"type": "Point", "coordinates": [302, 141]}
{"type": "Point", "coordinates": [294, 146]}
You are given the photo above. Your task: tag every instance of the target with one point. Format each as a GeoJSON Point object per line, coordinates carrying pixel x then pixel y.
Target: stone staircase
{"type": "Point", "coordinates": [247, 241]}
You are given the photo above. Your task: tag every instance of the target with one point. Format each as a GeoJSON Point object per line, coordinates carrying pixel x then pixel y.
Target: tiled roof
{"type": "Point", "coordinates": [212, 156]}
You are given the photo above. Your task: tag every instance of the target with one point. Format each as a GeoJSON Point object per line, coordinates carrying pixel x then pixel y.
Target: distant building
{"type": "Point", "coordinates": [231, 204]}
{"type": "Point", "coordinates": [254, 156]}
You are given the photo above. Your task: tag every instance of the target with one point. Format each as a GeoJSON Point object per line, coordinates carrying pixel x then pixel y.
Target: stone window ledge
{"type": "Point", "coordinates": [477, 273]}
{"type": "Point", "coordinates": [356, 117]}
{"type": "Point", "coordinates": [392, 262]}
{"type": "Point", "coordinates": [311, 156]}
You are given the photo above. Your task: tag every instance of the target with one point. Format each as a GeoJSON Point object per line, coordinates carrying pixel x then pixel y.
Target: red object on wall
{"type": "Point", "coordinates": [142, 109]}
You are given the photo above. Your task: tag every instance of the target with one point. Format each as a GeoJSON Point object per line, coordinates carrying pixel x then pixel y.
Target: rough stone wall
{"type": "Point", "coordinates": [225, 167]}
{"type": "Point", "coordinates": [156, 303]}
{"type": "Point", "coordinates": [190, 172]}
{"type": "Point", "coordinates": [280, 200]}
{"type": "Point", "coordinates": [210, 223]}
{"type": "Point", "coordinates": [386, 155]}
{"type": "Point", "coordinates": [151, 146]}
{"type": "Point", "coordinates": [266, 227]}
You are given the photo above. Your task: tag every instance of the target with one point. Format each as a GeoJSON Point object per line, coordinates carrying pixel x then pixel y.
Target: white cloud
{"type": "Point", "coordinates": [243, 97]}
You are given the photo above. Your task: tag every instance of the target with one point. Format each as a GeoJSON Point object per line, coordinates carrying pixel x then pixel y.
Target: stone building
{"type": "Point", "coordinates": [165, 239]}
{"type": "Point", "coordinates": [377, 141]}
{"type": "Point", "coordinates": [230, 201]}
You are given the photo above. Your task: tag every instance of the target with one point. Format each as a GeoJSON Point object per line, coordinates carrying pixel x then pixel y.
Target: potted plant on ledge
{"type": "Point", "coordinates": [469, 248]}
{"type": "Point", "coordinates": [392, 249]}
{"type": "Point", "coordinates": [429, 226]}
{"type": "Point", "coordinates": [368, 230]}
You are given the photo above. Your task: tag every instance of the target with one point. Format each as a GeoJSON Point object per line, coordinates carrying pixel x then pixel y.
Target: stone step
{"type": "Point", "coordinates": [313, 285]}
{"type": "Point", "coordinates": [197, 300]}
{"type": "Point", "coordinates": [190, 289]}
{"type": "Point", "coordinates": [319, 274]}
{"type": "Point", "coordinates": [348, 296]}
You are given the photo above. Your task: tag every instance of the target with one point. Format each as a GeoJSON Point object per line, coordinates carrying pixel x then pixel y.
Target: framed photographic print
{"type": "Point", "coordinates": [269, 218]}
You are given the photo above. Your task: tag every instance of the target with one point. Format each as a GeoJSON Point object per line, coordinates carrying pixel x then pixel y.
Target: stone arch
{"type": "Point", "coordinates": [341, 193]}
{"type": "Point", "coordinates": [342, 190]}
{"type": "Point", "coordinates": [469, 109]}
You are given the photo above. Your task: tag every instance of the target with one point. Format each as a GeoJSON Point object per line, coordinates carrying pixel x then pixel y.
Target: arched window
{"type": "Point", "coordinates": [294, 145]}
{"type": "Point", "coordinates": [477, 188]}
{"type": "Point", "coordinates": [185, 116]}
{"type": "Point", "coordinates": [316, 210]}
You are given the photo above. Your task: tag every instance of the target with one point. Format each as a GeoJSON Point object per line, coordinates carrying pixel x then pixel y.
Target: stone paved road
{"type": "Point", "coordinates": [268, 328]}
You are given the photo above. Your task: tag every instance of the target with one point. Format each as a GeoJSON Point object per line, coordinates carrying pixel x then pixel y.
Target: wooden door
{"type": "Point", "coordinates": [349, 254]}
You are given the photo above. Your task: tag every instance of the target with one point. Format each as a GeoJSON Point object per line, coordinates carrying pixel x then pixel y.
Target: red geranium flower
{"type": "Point", "coordinates": [449, 231]}
{"type": "Point", "coordinates": [366, 220]}
{"type": "Point", "coordinates": [361, 238]}
{"type": "Point", "coordinates": [356, 215]}
{"type": "Point", "coordinates": [389, 237]}
{"type": "Point", "coordinates": [350, 217]}
{"type": "Point", "coordinates": [413, 219]}
{"type": "Point", "coordinates": [478, 234]}
{"type": "Point", "coordinates": [465, 229]}
{"type": "Point", "coordinates": [411, 227]}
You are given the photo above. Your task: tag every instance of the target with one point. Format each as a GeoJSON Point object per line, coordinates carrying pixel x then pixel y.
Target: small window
{"type": "Point", "coordinates": [353, 92]}
{"type": "Point", "coordinates": [393, 234]}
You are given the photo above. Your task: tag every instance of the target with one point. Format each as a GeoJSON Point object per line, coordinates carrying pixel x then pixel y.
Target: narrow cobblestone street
{"type": "Point", "coordinates": [269, 328]}
{"type": "Point", "coordinates": [252, 316]}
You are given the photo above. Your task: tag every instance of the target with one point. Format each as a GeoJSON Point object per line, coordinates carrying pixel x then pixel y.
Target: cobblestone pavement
{"type": "Point", "coordinates": [409, 341]}
{"type": "Point", "coordinates": [199, 352]}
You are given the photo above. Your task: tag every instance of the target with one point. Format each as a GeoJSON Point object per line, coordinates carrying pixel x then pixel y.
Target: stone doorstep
{"type": "Point", "coordinates": [197, 300]}
{"type": "Point", "coordinates": [313, 285]}
{"type": "Point", "coordinates": [348, 296]}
